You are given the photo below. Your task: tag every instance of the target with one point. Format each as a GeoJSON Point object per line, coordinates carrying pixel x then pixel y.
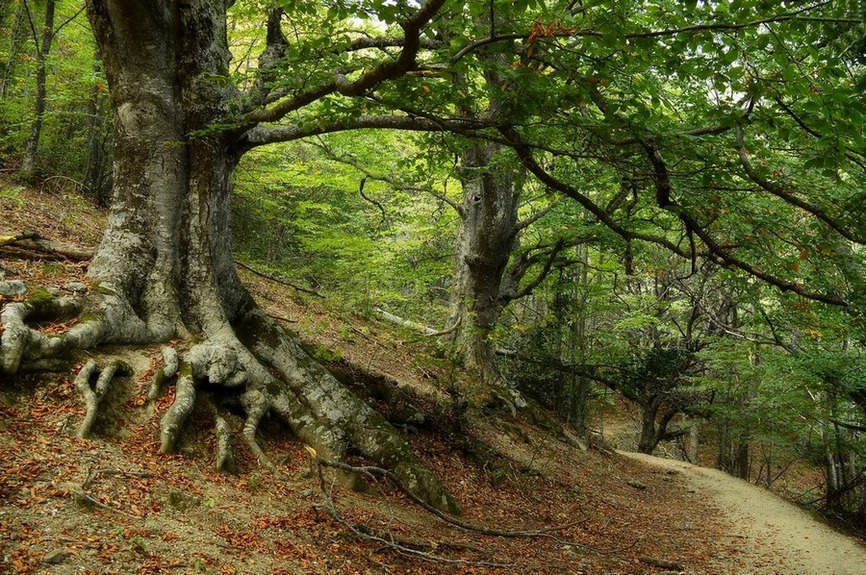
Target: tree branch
{"type": "Point", "coordinates": [788, 197]}
{"type": "Point", "coordinates": [661, 180]}
{"type": "Point", "coordinates": [393, 182]}
{"type": "Point", "coordinates": [524, 152]}
{"type": "Point", "coordinates": [340, 84]}
{"type": "Point", "coordinates": [262, 135]}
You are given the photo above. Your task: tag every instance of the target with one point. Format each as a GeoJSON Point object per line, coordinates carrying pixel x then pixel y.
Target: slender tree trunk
{"type": "Point", "coordinates": [579, 344]}
{"type": "Point", "coordinates": [16, 39]}
{"type": "Point", "coordinates": [649, 436]}
{"type": "Point", "coordinates": [94, 172]}
{"type": "Point", "coordinates": [43, 48]}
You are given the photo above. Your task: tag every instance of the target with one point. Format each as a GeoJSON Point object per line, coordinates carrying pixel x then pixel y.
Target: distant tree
{"type": "Point", "coordinates": [43, 47]}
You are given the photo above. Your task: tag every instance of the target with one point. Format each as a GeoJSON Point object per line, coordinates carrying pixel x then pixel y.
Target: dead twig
{"type": "Point", "coordinates": [368, 535]}
{"type": "Point", "coordinates": [278, 280]}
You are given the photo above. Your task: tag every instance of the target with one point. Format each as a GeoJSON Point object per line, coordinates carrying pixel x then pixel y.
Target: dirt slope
{"type": "Point", "coordinates": [776, 536]}
{"type": "Point", "coordinates": [112, 504]}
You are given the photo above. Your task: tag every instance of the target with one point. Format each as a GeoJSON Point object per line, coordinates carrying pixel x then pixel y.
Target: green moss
{"type": "Point", "coordinates": [185, 370]}
{"type": "Point", "coordinates": [53, 268]}
{"type": "Point", "coordinates": [40, 297]}
{"type": "Point", "coordinates": [89, 316]}
{"type": "Point", "coordinates": [255, 331]}
{"type": "Point", "coordinates": [273, 388]}
{"type": "Point", "coordinates": [327, 355]}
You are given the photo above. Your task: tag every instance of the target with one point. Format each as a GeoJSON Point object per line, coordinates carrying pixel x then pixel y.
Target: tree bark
{"type": "Point", "coordinates": [17, 36]}
{"type": "Point", "coordinates": [485, 241]}
{"type": "Point", "coordinates": [164, 268]}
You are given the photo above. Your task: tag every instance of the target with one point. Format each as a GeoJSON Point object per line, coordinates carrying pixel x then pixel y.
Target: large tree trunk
{"type": "Point", "coordinates": [164, 268]}
{"type": "Point", "coordinates": [486, 238]}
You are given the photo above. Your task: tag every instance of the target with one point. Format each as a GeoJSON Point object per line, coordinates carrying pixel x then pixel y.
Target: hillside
{"type": "Point", "coordinates": [113, 504]}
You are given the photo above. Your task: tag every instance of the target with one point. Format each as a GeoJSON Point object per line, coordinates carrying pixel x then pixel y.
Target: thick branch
{"type": "Point", "coordinates": [262, 135]}
{"type": "Point", "coordinates": [790, 198]}
{"type": "Point", "coordinates": [661, 180]}
{"type": "Point", "coordinates": [524, 152]}
{"type": "Point", "coordinates": [384, 71]}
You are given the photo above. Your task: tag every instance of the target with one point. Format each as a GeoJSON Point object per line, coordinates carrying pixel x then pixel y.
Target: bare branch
{"type": "Point", "coordinates": [393, 182]}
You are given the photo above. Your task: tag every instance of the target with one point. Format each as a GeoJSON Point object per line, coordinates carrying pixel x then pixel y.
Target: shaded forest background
{"type": "Point", "coordinates": [711, 361]}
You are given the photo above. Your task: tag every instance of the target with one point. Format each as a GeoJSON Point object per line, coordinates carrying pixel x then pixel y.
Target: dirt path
{"type": "Point", "coordinates": [777, 537]}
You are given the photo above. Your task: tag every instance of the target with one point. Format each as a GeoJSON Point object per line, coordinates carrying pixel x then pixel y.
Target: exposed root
{"type": "Point", "coordinates": [256, 405]}
{"type": "Point", "coordinates": [333, 418]}
{"type": "Point", "coordinates": [178, 412]}
{"type": "Point", "coordinates": [104, 318]}
{"type": "Point", "coordinates": [218, 364]}
{"type": "Point", "coordinates": [253, 357]}
{"type": "Point", "coordinates": [20, 342]}
{"type": "Point", "coordinates": [93, 393]}
{"type": "Point", "coordinates": [224, 456]}
{"type": "Point", "coordinates": [207, 362]}
{"type": "Point", "coordinates": [366, 534]}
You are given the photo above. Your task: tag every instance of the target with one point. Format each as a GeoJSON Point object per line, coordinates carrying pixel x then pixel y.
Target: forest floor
{"type": "Point", "coordinates": [113, 504]}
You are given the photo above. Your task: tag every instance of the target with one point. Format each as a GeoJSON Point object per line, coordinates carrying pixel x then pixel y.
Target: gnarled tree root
{"type": "Point", "coordinates": [170, 365]}
{"type": "Point", "coordinates": [101, 318]}
{"type": "Point", "coordinates": [252, 356]}
{"type": "Point", "coordinates": [94, 392]}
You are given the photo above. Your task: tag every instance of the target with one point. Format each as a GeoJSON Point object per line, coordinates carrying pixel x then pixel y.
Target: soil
{"type": "Point", "coordinates": [776, 535]}
{"type": "Point", "coordinates": [113, 504]}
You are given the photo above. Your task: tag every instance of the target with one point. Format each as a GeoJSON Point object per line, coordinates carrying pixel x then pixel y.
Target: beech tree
{"type": "Point", "coordinates": [164, 269]}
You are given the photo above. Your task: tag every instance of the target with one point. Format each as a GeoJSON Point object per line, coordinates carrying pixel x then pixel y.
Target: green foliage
{"type": "Point", "coordinates": [72, 85]}
{"type": "Point", "coordinates": [307, 218]}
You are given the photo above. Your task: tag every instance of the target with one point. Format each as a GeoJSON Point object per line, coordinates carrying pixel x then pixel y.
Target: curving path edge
{"type": "Point", "coordinates": [777, 536]}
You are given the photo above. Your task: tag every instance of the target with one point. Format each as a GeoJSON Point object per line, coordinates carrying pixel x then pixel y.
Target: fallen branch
{"type": "Point", "coordinates": [368, 535]}
{"type": "Point", "coordinates": [34, 241]}
{"type": "Point", "coordinates": [372, 472]}
{"type": "Point", "coordinates": [402, 322]}
{"type": "Point", "coordinates": [278, 280]}
{"type": "Point", "coordinates": [85, 499]}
